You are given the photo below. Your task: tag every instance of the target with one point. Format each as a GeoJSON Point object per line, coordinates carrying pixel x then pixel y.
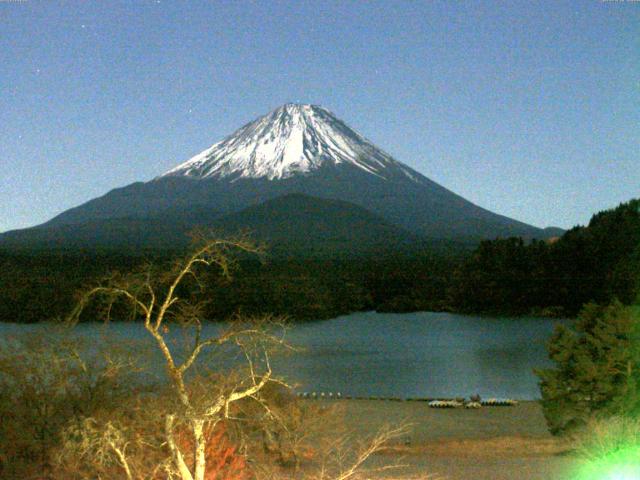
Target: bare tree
{"type": "Point", "coordinates": [162, 300]}
{"type": "Point", "coordinates": [343, 462]}
{"type": "Point", "coordinates": [155, 298]}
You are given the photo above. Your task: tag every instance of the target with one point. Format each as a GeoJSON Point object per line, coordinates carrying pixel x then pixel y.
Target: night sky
{"type": "Point", "coordinates": [529, 109]}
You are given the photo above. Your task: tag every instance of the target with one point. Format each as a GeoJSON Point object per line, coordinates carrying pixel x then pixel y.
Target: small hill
{"type": "Point", "coordinates": [297, 224]}
{"type": "Point", "coordinates": [293, 224]}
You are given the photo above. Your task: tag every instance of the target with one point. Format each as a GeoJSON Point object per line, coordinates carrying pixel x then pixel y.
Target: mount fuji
{"type": "Point", "coordinates": [293, 151]}
{"type": "Point", "coordinates": [291, 140]}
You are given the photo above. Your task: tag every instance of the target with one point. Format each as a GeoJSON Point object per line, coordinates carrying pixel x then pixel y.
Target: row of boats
{"type": "Point", "coordinates": [489, 402]}
{"type": "Point", "coordinates": [473, 402]}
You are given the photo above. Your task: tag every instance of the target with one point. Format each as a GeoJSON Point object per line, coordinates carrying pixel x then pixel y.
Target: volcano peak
{"type": "Point", "coordinates": [293, 139]}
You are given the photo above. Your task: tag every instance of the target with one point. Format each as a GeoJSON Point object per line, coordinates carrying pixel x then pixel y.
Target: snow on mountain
{"type": "Point", "coordinates": [293, 139]}
{"type": "Point", "coordinates": [296, 149]}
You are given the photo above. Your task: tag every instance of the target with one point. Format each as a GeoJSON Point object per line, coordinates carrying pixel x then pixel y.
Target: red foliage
{"type": "Point", "coordinates": [308, 453]}
{"type": "Point", "coordinates": [222, 458]}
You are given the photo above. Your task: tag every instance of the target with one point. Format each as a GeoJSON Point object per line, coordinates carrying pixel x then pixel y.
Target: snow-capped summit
{"type": "Point", "coordinates": [293, 139]}
{"type": "Point", "coordinates": [294, 150]}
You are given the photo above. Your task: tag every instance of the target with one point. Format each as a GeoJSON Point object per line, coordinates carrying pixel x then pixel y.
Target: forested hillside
{"type": "Point", "coordinates": [598, 263]}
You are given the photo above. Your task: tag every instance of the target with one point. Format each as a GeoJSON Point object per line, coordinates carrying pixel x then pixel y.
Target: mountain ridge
{"type": "Point", "coordinates": [329, 160]}
{"type": "Point", "coordinates": [292, 224]}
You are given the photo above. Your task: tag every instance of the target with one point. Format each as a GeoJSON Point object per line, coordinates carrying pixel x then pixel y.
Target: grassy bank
{"type": "Point", "coordinates": [491, 443]}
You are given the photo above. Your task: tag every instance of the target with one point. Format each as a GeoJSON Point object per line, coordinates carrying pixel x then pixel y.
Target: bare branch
{"type": "Point", "coordinates": [376, 444]}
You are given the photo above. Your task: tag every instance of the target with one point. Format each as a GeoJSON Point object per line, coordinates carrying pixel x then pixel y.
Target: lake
{"type": "Point", "coordinates": [422, 354]}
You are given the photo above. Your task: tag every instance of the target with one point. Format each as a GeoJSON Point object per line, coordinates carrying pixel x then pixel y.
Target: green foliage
{"type": "Point", "coordinates": [597, 369]}
{"type": "Point", "coordinates": [602, 436]}
{"type": "Point", "coordinates": [597, 263]}
{"type": "Point", "coordinates": [40, 285]}
{"type": "Point", "coordinates": [74, 411]}
{"type": "Point", "coordinates": [608, 448]}
{"type": "Point", "coordinates": [502, 276]}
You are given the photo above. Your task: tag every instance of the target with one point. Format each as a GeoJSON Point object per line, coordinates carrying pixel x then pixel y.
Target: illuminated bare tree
{"type": "Point", "coordinates": [162, 299]}
{"type": "Point", "coordinates": [155, 298]}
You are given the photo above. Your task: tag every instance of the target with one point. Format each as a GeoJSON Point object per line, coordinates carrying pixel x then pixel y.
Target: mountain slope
{"type": "Point", "coordinates": [299, 224]}
{"type": "Point", "coordinates": [426, 209]}
{"type": "Point", "coordinates": [297, 149]}
{"type": "Point", "coordinates": [292, 224]}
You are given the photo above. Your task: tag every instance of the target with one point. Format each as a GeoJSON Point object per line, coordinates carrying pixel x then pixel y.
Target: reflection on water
{"type": "Point", "coordinates": [402, 355]}
{"type": "Point", "coordinates": [421, 355]}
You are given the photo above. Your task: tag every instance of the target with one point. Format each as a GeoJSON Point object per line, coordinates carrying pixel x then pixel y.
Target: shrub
{"type": "Point", "coordinates": [609, 448]}
{"type": "Point", "coordinates": [46, 381]}
{"type": "Point", "coordinates": [603, 436]}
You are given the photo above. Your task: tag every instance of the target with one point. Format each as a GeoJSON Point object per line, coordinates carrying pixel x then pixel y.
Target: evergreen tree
{"type": "Point", "coordinates": [597, 369]}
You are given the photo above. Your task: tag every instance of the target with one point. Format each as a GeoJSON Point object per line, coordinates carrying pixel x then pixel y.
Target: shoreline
{"type": "Point", "coordinates": [533, 316]}
{"type": "Point", "coordinates": [458, 443]}
{"type": "Point", "coordinates": [485, 402]}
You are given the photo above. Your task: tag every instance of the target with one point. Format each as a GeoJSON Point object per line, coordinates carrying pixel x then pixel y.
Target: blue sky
{"type": "Point", "coordinates": [529, 109]}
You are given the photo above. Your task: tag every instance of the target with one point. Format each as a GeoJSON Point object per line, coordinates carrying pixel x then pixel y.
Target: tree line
{"type": "Point", "coordinates": [595, 263]}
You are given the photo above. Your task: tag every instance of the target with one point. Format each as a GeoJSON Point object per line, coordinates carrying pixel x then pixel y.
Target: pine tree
{"type": "Point", "coordinates": [597, 369]}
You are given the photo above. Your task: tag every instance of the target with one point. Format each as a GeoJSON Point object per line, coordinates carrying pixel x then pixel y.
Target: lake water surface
{"type": "Point", "coordinates": [421, 354]}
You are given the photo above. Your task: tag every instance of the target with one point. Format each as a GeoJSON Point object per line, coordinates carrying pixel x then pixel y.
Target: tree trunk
{"type": "Point", "coordinates": [178, 459]}
{"type": "Point", "coordinates": [200, 446]}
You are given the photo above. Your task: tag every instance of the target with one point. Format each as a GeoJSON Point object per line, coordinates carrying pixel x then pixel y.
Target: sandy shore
{"type": "Point", "coordinates": [492, 443]}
